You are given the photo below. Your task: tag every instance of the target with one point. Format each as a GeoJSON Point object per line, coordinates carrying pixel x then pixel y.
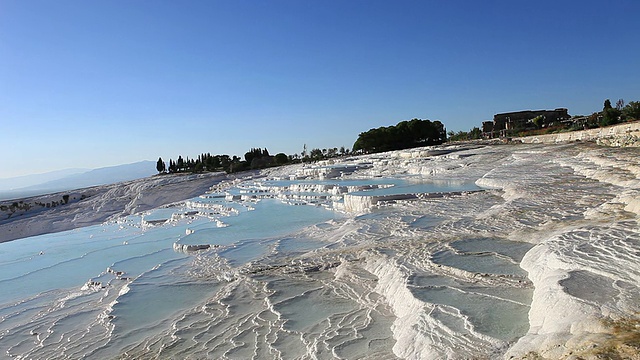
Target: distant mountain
{"type": "Point", "coordinates": [79, 179]}
{"type": "Point", "coordinates": [21, 182]}
{"type": "Point", "coordinates": [102, 176]}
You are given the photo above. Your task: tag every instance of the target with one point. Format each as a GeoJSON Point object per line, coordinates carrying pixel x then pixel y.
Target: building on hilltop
{"type": "Point", "coordinates": [487, 126]}
{"type": "Point", "coordinates": [522, 120]}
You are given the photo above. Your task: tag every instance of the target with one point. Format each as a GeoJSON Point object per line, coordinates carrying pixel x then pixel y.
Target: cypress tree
{"type": "Point", "coordinates": [160, 166]}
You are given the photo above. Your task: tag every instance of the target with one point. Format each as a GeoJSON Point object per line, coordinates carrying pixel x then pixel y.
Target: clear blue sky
{"type": "Point", "coordinates": [99, 83]}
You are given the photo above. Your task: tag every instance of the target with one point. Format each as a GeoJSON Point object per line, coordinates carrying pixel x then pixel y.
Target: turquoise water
{"type": "Point", "coordinates": [271, 218]}
{"type": "Point", "coordinates": [114, 287]}
{"type": "Point", "coordinates": [489, 257]}
{"type": "Point", "coordinates": [419, 188]}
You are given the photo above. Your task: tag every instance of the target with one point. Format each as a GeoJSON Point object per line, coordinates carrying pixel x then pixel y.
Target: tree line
{"type": "Point", "coordinates": [403, 135]}
{"type": "Point", "coordinates": [613, 115]}
{"type": "Point", "coordinates": [255, 158]}
{"type": "Point", "coordinates": [204, 162]}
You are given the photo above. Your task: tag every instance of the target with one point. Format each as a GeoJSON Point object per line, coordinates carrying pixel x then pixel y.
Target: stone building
{"type": "Point", "coordinates": [487, 126]}
{"type": "Point", "coordinates": [522, 120]}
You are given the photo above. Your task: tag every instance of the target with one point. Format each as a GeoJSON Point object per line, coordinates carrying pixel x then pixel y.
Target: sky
{"type": "Point", "coordinates": [88, 84]}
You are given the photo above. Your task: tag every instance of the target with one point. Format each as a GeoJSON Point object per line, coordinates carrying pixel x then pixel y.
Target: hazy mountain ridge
{"type": "Point", "coordinates": [70, 179]}
{"type": "Point", "coordinates": [21, 182]}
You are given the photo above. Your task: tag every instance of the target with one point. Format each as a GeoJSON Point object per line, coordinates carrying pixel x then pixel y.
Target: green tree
{"type": "Point", "coordinates": [632, 110]}
{"type": "Point", "coordinates": [405, 134]}
{"type": "Point", "coordinates": [610, 116]}
{"type": "Point", "coordinates": [475, 133]}
{"type": "Point", "coordinates": [538, 121]}
{"type": "Point", "coordinates": [160, 166]}
{"type": "Point", "coordinates": [316, 154]}
{"type": "Point", "coordinates": [180, 163]}
{"type": "Point", "coordinates": [281, 158]}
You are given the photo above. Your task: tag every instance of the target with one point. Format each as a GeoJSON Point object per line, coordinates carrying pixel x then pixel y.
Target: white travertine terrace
{"type": "Point", "coordinates": [542, 263]}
